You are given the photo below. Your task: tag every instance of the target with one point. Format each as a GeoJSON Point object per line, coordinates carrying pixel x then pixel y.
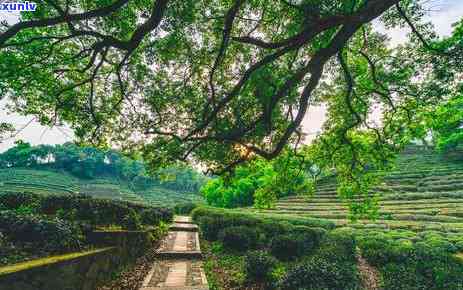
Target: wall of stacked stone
{"type": "Point", "coordinates": [82, 270]}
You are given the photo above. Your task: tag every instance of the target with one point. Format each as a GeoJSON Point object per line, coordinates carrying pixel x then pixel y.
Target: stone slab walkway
{"type": "Point", "coordinates": [182, 219]}
{"type": "Point", "coordinates": [183, 227]}
{"type": "Point", "coordinates": [179, 266]}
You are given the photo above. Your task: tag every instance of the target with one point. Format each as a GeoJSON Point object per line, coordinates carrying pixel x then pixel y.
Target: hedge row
{"type": "Point", "coordinates": [322, 259]}
{"type": "Point", "coordinates": [327, 259]}
{"type": "Point", "coordinates": [242, 231]}
{"type": "Point", "coordinates": [428, 263]}
{"type": "Point", "coordinates": [85, 208]}
{"type": "Point", "coordinates": [185, 208]}
{"type": "Point", "coordinates": [55, 234]}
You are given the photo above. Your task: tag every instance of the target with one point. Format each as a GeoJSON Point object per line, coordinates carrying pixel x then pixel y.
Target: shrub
{"type": "Point", "coordinates": [320, 273]}
{"type": "Point", "coordinates": [14, 200]}
{"type": "Point", "coordinates": [26, 209]}
{"type": "Point", "coordinates": [210, 227]}
{"type": "Point", "coordinates": [154, 215]}
{"type": "Point", "coordinates": [50, 204]}
{"type": "Point", "coordinates": [459, 246]}
{"type": "Point", "coordinates": [259, 266]}
{"type": "Point", "coordinates": [273, 228]}
{"type": "Point", "coordinates": [239, 238]}
{"type": "Point", "coordinates": [132, 221]}
{"type": "Point", "coordinates": [400, 277]}
{"type": "Point", "coordinates": [151, 216]}
{"type": "Point", "coordinates": [266, 221]}
{"type": "Point", "coordinates": [200, 212]}
{"type": "Point", "coordinates": [167, 215]}
{"type": "Point", "coordinates": [55, 234]}
{"type": "Point", "coordinates": [185, 208]}
{"type": "Point", "coordinates": [381, 250]}
{"type": "Point", "coordinates": [237, 219]}
{"type": "Point", "coordinates": [339, 245]}
{"type": "Point", "coordinates": [3, 241]}
{"type": "Point", "coordinates": [311, 237]}
{"type": "Point", "coordinates": [429, 273]}
{"type": "Point", "coordinates": [102, 211]}
{"type": "Point", "coordinates": [435, 246]}
{"type": "Point", "coordinates": [286, 247]}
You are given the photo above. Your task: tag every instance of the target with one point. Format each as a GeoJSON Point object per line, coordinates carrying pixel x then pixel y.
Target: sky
{"type": "Point", "coordinates": [443, 14]}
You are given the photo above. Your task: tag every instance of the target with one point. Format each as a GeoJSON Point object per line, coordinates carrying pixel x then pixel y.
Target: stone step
{"type": "Point", "coordinates": [182, 219]}
{"type": "Point", "coordinates": [176, 275]}
{"type": "Point", "coordinates": [180, 245]}
{"type": "Point", "coordinates": [182, 227]}
{"type": "Point", "coordinates": [179, 265]}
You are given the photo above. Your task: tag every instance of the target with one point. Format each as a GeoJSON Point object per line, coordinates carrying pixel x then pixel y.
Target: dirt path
{"type": "Point", "coordinates": [369, 275]}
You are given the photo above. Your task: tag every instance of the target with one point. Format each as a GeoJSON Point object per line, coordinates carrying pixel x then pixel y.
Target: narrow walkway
{"type": "Point", "coordinates": [179, 266]}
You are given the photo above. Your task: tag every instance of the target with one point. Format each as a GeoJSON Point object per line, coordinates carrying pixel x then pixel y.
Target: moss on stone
{"type": "Point", "coordinates": [48, 260]}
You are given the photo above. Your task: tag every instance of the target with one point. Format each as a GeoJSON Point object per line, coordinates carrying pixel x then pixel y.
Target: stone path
{"type": "Point", "coordinates": [179, 266]}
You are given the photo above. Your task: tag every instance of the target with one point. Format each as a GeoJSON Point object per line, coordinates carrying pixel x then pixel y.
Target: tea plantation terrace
{"type": "Point", "coordinates": [423, 192]}
{"type": "Point", "coordinates": [41, 181]}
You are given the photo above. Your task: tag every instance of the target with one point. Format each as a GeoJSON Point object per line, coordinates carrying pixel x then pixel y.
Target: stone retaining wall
{"type": "Point", "coordinates": [79, 271]}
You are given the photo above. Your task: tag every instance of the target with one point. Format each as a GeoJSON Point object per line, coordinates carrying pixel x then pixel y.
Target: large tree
{"type": "Point", "coordinates": [222, 80]}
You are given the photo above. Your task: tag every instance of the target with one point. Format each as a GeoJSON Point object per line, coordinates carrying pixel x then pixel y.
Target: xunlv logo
{"type": "Point", "coordinates": [18, 6]}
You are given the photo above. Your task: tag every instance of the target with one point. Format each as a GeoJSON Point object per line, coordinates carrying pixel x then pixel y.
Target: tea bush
{"type": "Point", "coordinates": [151, 216]}
{"type": "Point", "coordinates": [339, 244]}
{"type": "Point", "coordinates": [286, 247]}
{"type": "Point", "coordinates": [15, 200]}
{"type": "Point", "coordinates": [310, 237]}
{"type": "Point", "coordinates": [239, 238]}
{"type": "Point", "coordinates": [84, 208]}
{"type": "Point", "coordinates": [259, 266]}
{"type": "Point", "coordinates": [303, 238]}
{"type": "Point", "coordinates": [132, 221]}
{"type": "Point", "coordinates": [380, 250]}
{"type": "Point", "coordinates": [49, 234]}
{"type": "Point", "coordinates": [185, 208]}
{"type": "Point", "coordinates": [321, 273]}
{"type": "Point", "coordinates": [426, 264]}
{"type": "Point", "coordinates": [210, 227]}
{"type": "Point", "coordinates": [244, 218]}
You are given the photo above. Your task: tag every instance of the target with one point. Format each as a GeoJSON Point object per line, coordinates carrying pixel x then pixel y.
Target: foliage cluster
{"type": "Point", "coordinates": [184, 208]}
{"type": "Point", "coordinates": [34, 225]}
{"type": "Point", "coordinates": [246, 88]}
{"type": "Point", "coordinates": [245, 231]}
{"type": "Point", "coordinates": [53, 234]}
{"type": "Point", "coordinates": [281, 255]}
{"type": "Point", "coordinates": [259, 266]}
{"type": "Point", "coordinates": [85, 209]}
{"type": "Point", "coordinates": [447, 122]}
{"type": "Point", "coordinates": [426, 262]}
{"type": "Point", "coordinates": [284, 256]}
{"type": "Point", "coordinates": [260, 182]}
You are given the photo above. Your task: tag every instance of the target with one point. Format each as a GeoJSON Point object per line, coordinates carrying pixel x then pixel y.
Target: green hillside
{"type": "Point", "coordinates": [423, 192]}
{"type": "Point", "coordinates": [55, 182]}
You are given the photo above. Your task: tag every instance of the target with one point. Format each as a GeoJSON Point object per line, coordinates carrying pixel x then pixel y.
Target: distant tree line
{"type": "Point", "coordinates": [90, 162]}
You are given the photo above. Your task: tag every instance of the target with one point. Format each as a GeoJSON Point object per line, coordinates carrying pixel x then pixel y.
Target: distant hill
{"type": "Point", "coordinates": [55, 182]}
{"type": "Point", "coordinates": [105, 173]}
